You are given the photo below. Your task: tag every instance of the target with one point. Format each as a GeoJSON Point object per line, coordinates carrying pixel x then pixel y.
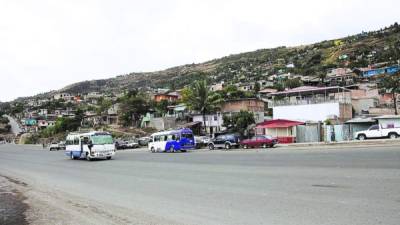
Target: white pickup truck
{"type": "Point", "coordinates": [377, 131]}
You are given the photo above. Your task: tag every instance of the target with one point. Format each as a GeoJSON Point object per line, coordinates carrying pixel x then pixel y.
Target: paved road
{"type": "Point", "coordinates": [15, 129]}
{"type": "Point", "coordinates": [331, 186]}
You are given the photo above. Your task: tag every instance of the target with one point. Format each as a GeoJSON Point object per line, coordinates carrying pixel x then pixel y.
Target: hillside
{"type": "Point", "coordinates": [353, 51]}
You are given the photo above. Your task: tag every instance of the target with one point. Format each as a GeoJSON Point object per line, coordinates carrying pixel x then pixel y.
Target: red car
{"type": "Point", "coordinates": [259, 141]}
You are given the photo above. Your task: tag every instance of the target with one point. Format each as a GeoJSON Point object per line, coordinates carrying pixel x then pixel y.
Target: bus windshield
{"type": "Point", "coordinates": [101, 139]}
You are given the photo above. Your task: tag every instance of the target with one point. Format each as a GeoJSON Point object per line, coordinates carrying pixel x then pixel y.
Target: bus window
{"type": "Point", "coordinates": [156, 138]}
{"type": "Point", "coordinates": [172, 137]}
{"type": "Point", "coordinates": [85, 140]}
{"type": "Point", "coordinates": [76, 141]}
{"type": "Point", "coordinates": [187, 135]}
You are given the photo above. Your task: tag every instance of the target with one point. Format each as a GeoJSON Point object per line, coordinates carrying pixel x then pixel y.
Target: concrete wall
{"type": "Point", "coordinates": [363, 104]}
{"type": "Point", "coordinates": [386, 122]}
{"type": "Point", "coordinates": [252, 105]}
{"type": "Point", "coordinates": [312, 112]}
{"type": "Point", "coordinates": [163, 123]}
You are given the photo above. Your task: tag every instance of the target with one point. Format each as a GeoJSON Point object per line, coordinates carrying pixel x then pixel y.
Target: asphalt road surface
{"type": "Point", "coordinates": [15, 129]}
{"type": "Point", "coordinates": [281, 186]}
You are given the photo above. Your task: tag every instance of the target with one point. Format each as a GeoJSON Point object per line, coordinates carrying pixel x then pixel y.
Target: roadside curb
{"type": "Point", "coordinates": [343, 143]}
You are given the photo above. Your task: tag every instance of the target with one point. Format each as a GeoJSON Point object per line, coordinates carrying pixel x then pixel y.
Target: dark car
{"type": "Point", "coordinates": [120, 144]}
{"type": "Point", "coordinates": [226, 141]}
{"type": "Point", "coordinates": [258, 141]}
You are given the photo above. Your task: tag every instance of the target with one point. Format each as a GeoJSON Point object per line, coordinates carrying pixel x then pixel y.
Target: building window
{"type": "Point", "coordinates": [215, 117]}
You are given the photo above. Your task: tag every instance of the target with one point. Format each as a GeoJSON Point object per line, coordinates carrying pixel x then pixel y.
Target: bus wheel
{"type": "Point", "coordinates": [183, 151]}
{"type": "Point", "coordinates": [108, 157]}
{"type": "Point", "coordinates": [152, 150]}
{"type": "Point", "coordinates": [72, 156]}
{"type": "Point", "coordinates": [171, 149]}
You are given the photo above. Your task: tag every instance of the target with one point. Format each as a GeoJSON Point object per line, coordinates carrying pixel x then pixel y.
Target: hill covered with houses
{"type": "Point", "coordinates": [334, 82]}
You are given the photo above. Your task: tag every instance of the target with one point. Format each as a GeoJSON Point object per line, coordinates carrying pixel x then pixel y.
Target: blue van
{"type": "Point", "coordinates": [172, 141]}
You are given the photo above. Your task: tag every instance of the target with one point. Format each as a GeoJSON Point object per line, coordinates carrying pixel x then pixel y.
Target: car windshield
{"type": "Point", "coordinates": [268, 136]}
{"type": "Point", "coordinates": [102, 139]}
{"type": "Point", "coordinates": [187, 135]}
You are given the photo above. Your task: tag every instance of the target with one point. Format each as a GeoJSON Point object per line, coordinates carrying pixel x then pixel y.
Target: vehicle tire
{"type": "Point", "coordinates": [72, 156]}
{"type": "Point", "coordinates": [245, 146]}
{"type": "Point", "coordinates": [152, 150]}
{"type": "Point", "coordinates": [183, 151]}
{"type": "Point", "coordinates": [171, 149]}
{"type": "Point", "coordinates": [264, 146]}
{"type": "Point", "coordinates": [211, 146]}
{"type": "Point", "coordinates": [108, 157]}
{"type": "Point", "coordinates": [227, 146]}
{"type": "Point", "coordinates": [271, 145]}
{"type": "Point", "coordinates": [51, 149]}
{"type": "Point", "coordinates": [87, 157]}
{"type": "Point", "coordinates": [393, 136]}
{"type": "Point", "coordinates": [362, 137]}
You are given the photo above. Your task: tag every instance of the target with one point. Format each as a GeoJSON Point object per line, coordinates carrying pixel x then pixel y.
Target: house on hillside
{"type": "Point", "coordinates": [218, 86]}
{"type": "Point", "coordinates": [63, 96]}
{"type": "Point", "coordinates": [213, 122]}
{"type": "Point", "coordinates": [309, 103]}
{"type": "Point", "coordinates": [170, 97]}
{"type": "Point", "coordinates": [254, 105]}
{"type": "Point", "coordinates": [338, 76]}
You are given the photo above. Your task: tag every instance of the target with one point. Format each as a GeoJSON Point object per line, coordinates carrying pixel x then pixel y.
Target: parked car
{"type": "Point", "coordinates": [61, 145]}
{"type": "Point", "coordinates": [377, 131]}
{"type": "Point", "coordinates": [202, 141]}
{"type": "Point", "coordinates": [132, 144]}
{"type": "Point", "coordinates": [258, 141]}
{"type": "Point", "coordinates": [144, 141]}
{"type": "Point", "coordinates": [56, 146]}
{"type": "Point", "coordinates": [120, 144]}
{"type": "Point", "coordinates": [226, 141]}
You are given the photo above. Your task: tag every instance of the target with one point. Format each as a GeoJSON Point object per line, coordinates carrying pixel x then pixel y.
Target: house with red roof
{"type": "Point", "coordinates": [284, 130]}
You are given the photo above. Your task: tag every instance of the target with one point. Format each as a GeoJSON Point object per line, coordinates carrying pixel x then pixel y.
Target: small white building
{"type": "Point", "coordinates": [213, 122]}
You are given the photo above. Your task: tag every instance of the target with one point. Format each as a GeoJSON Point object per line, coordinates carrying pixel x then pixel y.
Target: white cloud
{"type": "Point", "coordinates": [46, 45]}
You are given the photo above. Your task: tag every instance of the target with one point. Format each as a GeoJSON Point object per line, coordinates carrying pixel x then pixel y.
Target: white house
{"type": "Point", "coordinates": [213, 122]}
{"type": "Point", "coordinates": [312, 104]}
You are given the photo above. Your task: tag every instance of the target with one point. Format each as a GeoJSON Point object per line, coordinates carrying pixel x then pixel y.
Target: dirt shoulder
{"type": "Point", "coordinates": [22, 204]}
{"type": "Point", "coordinates": [12, 202]}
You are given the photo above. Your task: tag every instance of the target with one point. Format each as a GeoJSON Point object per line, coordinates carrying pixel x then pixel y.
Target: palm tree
{"type": "Point", "coordinates": [391, 83]}
{"type": "Point", "coordinates": [199, 98]}
{"type": "Point", "coordinates": [322, 76]}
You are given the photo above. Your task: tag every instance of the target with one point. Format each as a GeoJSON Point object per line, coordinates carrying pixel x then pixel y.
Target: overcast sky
{"type": "Point", "coordinates": [46, 45]}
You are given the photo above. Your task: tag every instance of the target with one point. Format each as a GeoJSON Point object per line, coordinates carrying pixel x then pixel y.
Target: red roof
{"type": "Point", "coordinates": [279, 123]}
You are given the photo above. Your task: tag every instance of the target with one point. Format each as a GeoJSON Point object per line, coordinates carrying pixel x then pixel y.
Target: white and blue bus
{"type": "Point", "coordinates": [172, 141]}
{"type": "Point", "coordinates": [91, 145]}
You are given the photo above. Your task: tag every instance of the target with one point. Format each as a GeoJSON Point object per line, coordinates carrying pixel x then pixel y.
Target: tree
{"type": "Point", "coordinates": [239, 122]}
{"type": "Point", "coordinates": [133, 106]}
{"type": "Point", "coordinates": [198, 97]}
{"type": "Point", "coordinates": [103, 105]}
{"type": "Point", "coordinates": [257, 87]}
{"type": "Point", "coordinates": [391, 83]}
{"type": "Point", "coordinates": [293, 83]}
{"type": "Point", "coordinates": [322, 76]}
